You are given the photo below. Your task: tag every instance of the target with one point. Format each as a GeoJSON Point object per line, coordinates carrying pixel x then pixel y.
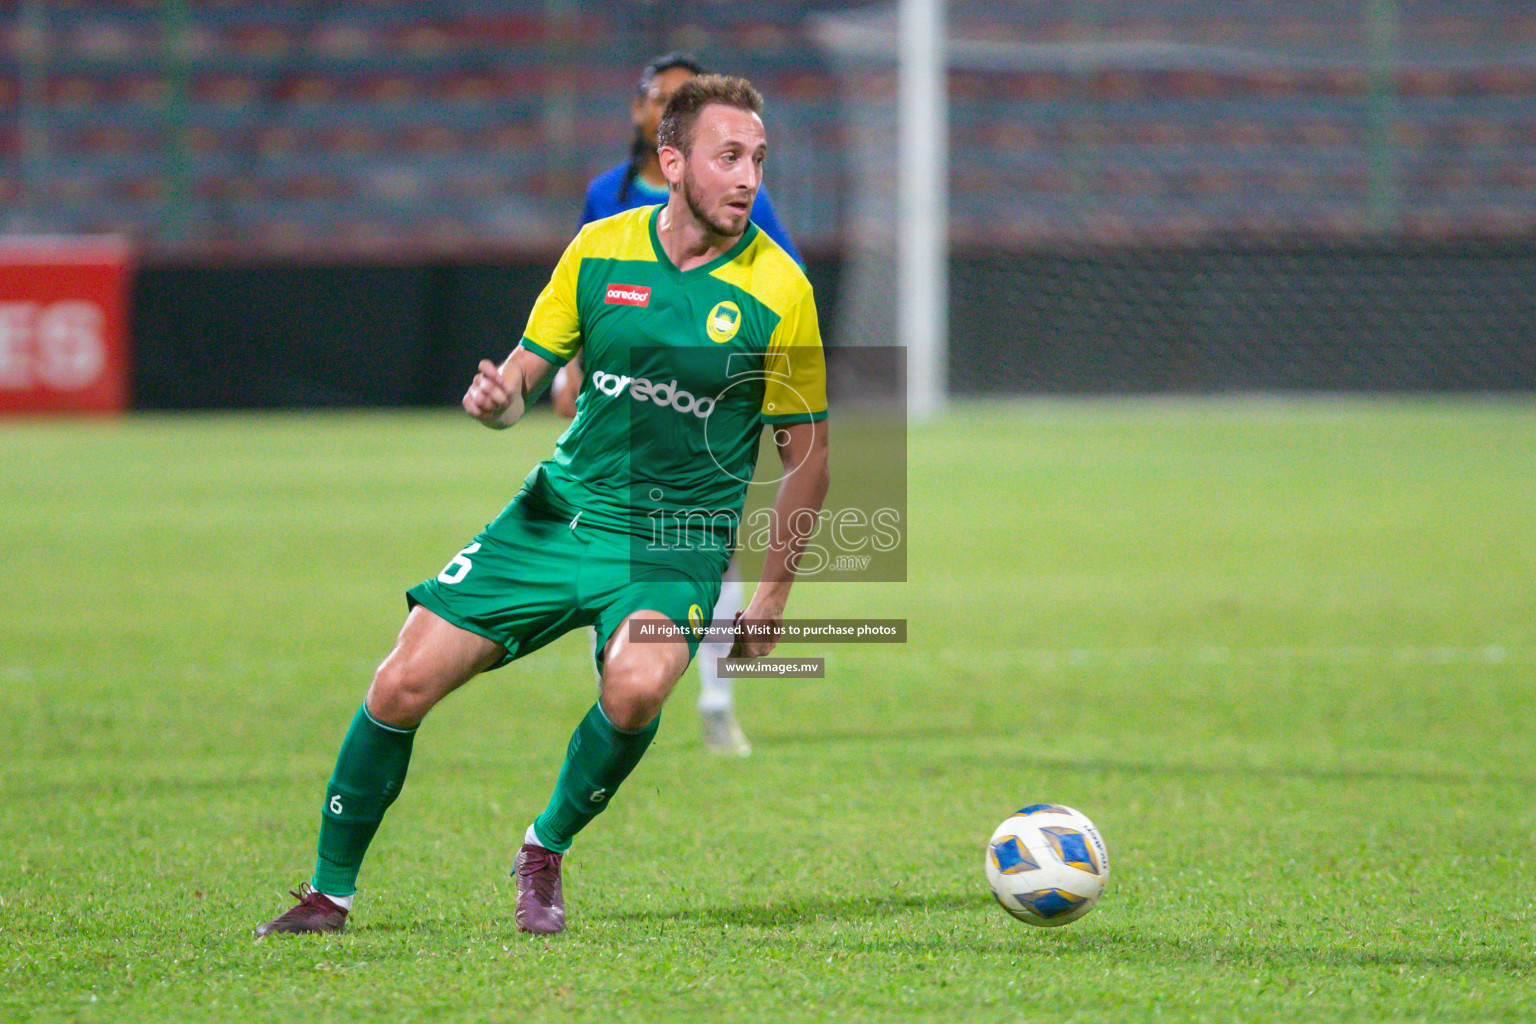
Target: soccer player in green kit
{"type": "Point", "coordinates": [697, 331]}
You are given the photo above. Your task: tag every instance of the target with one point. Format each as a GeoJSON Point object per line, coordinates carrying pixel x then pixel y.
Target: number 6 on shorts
{"type": "Point", "coordinates": [457, 569]}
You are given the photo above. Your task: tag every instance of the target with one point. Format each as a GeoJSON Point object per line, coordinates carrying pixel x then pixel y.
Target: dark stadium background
{"type": "Point", "coordinates": [1222, 197]}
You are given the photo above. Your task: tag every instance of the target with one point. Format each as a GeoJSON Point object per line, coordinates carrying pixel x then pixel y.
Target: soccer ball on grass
{"type": "Point", "coordinates": [1047, 865]}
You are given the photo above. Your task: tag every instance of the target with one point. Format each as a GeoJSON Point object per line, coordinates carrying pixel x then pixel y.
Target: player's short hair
{"type": "Point", "coordinates": [682, 114]}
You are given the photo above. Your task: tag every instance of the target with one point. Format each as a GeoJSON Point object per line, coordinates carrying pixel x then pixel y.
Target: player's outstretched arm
{"type": "Point", "coordinates": [796, 514]}
{"type": "Point", "coordinates": [496, 397]}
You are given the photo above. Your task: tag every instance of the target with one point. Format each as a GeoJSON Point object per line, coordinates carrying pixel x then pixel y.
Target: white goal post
{"type": "Point", "coordinates": [893, 61]}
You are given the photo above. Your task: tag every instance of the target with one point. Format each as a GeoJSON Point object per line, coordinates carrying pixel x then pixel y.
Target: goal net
{"type": "Point", "coordinates": [1184, 196]}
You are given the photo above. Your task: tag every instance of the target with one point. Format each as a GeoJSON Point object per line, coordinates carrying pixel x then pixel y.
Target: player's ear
{"type": "Point", "coordinates": [672, 163]}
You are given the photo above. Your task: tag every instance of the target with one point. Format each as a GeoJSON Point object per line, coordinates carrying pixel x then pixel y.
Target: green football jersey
{"type": "Point", "coordinates": [683, 370]}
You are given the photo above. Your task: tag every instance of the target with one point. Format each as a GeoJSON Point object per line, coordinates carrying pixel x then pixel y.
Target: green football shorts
{"type": "Point", "coordinates": [529, 578]}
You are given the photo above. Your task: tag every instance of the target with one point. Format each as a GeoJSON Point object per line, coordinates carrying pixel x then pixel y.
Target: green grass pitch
{"type": "Point", "coordinates": [1283, 652]}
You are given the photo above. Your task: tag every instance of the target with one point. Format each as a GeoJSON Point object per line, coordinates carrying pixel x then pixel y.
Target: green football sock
{"type": "Point", "coordinates": [370, 769]}
{"type": "Point", "coordinates": [598, 758]}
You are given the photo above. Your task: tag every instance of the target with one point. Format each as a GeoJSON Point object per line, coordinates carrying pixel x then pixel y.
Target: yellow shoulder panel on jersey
{"type": "Point", "coordinates": [624, 236]}
{"type": "Point", "coordinates": [767, 273]}
{"type": "Point", "coordinates": [554, 323]}
{"type": "Point", "coordinates": [796, 388]}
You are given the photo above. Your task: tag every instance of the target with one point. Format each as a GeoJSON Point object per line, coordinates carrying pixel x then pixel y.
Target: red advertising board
{"type": "Point", "coordinates": [63, 325]}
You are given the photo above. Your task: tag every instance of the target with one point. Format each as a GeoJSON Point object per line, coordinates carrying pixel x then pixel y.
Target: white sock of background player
{"type": "Point", "coordinates": [716, 694]}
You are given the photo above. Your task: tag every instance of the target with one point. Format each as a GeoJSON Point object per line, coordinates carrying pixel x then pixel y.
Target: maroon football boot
{"type": "Point", "coordinates": [313, 914]}
{"type": "Point", "coordinates": [540, 903]}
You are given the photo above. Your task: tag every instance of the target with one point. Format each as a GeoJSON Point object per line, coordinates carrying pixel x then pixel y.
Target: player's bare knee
{"type": "Point", "coordinates": [399, 694]}
{"type": "Point", "coordinates": [633, 694]}
{"type": "Point", "coordinates": [647, 690]}
{"type": "Point", "coordinates": [631, 712]}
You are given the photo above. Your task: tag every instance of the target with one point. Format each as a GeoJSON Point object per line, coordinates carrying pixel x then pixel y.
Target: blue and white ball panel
{"type": "Point", "coordinates": [1010, 856]}
{"type": "Point", "coordinates": [1092, 855]}
{"type": "Point", "coordinates": [1071, 846]}
{"type": "Point", "coordinates": [1049, 903]}
{"type": "Point", "coordinates": [1024, 812]}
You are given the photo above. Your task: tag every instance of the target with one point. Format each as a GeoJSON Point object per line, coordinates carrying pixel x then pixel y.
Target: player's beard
{"type": "Point", "coordinates": [711, 221]}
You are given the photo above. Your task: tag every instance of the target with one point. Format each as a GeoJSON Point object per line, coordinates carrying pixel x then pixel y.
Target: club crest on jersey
{"type": "Point", "coordinates": [628, 295]}
{"type": "Point", "coordinates": [723, 322]}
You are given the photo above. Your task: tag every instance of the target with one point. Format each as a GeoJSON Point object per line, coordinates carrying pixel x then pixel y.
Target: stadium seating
{"type": "Point", "coordinates": [424, 122]}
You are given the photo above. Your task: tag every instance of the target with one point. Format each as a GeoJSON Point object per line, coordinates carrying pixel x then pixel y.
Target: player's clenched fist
{"type": "Point", "coordinates": [758, 631]}
{"type": "Point", "coordinates": [495, 398]}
